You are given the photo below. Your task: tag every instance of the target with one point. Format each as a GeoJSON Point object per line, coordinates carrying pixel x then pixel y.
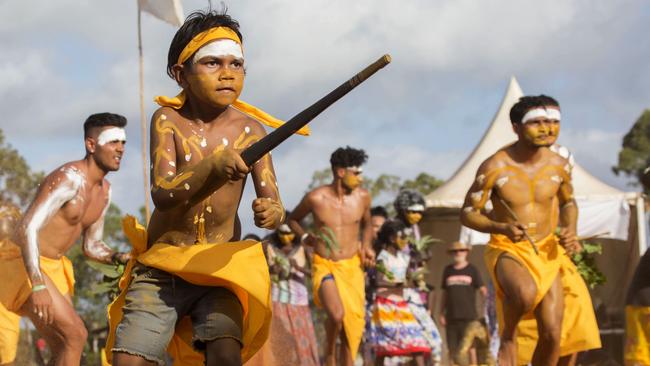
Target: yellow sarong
{"type": "Point", "coordinates": [238, 266]}
{"type": "Point", "coordinates": [637, 329]}
{"type": "Point", "coordinates": [350, 283]}
{"type": "Point", "coordinates": [15, 289]}
{"type": "Point", "coordinates": [579, 326]}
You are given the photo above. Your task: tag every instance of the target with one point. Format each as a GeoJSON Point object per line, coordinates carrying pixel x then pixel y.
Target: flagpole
{"type": "Point", "coordinates": [143, 120]}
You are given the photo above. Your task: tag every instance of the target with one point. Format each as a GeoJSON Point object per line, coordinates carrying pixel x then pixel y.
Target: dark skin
{"type": "Point", "coordinates": [71, 202]}
{"type": "Point", "coordinates": [198, 176]}
{"type": "Point", "coordinates": [345, 209]}
{"type": "Point", "coordinates": [528, 177]}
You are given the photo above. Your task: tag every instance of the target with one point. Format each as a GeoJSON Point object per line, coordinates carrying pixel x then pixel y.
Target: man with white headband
{"type": "Point", "coordinates": [531, 196]}
{"type": "Point", "coordinates": [71, 202]}
{"type": "Point", "coordinates": [193, 289]}
{"type": "Point", "coordinates": [341, 212]}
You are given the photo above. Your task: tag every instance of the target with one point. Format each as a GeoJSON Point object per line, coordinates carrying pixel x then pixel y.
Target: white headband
{"type": "Point", "coordinates": [110, 135]}
{"type": "Point", "coordinates": [219, 48]}
{"type": "Point", "coordinates": [356, 169]}
{"type": "Point", "coordinates": [548, 113]}
{"type": "Point", "coordinates": [417, 207]}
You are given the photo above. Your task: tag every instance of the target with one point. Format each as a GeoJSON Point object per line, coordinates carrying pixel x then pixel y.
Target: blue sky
{"type": "Point", "coordinates": [452, 60]}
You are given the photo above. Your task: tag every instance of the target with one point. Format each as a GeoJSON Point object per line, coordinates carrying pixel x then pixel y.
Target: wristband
{"type": "Point", "coordinates": [37, 288]}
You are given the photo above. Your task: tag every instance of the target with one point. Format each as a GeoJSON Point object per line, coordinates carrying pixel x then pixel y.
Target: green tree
{"type": "Point", "coordinates": [423, 183]}
{"type": "Point", "coordinates": [634, 156]}
{"type": "Point", "coordinates": [18, 183]}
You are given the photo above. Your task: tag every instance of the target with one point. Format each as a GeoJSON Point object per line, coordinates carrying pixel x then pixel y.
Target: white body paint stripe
{"type": "Point", "coordinates": [416, 207]}
{"type": "Point", "coordinates": [66, 191]}
{"type": "Point", "coordinates": [219, 48]}
{"type": "Point", "coordinates": [110, 135]}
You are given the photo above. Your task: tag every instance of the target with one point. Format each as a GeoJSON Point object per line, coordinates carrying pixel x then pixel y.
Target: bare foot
{"type": "Point", "coordinates": [507, 355]}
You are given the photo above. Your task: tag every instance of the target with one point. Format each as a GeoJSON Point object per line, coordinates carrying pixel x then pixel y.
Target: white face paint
{"type": "Point", "coordinates": [416, 208]}
{"type": "Point", "coordinates": [548, 113]}
{"type": "Point", "coordinates": [110, 135]}
{"type": "Point", "coordinates": [219, 48]}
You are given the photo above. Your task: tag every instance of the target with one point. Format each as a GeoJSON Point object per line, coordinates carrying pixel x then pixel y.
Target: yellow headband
{"type": "Point", "coordinates": [199, 41]}
{"type": "Point", "coordinates": [205, 37]}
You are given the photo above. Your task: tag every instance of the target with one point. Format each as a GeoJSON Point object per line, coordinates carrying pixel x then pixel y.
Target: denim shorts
{"type": "Point", "coordinates": [156, 300]}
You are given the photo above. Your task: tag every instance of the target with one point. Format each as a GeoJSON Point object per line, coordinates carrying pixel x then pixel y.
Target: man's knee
{"type": "Point", "coordinates": [336, 316]}
{"type": "Point", "coordinates": [74, 333]}
{"type": "Point", "coordinates": [551, 333]}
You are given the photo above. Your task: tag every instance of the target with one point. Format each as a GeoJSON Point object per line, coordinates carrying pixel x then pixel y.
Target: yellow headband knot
{"type": "Point", "coordinates": [194, 45]}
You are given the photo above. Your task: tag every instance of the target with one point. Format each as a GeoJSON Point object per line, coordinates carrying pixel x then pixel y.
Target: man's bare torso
{"type": "Point", "coordinates": [529, 189]}
{"type": "Point", "coordinates": [213, 219]}
{"type": "Point", "coordinates": [64, 228]}
{"type": "Point", "coordinates": [343, 216]}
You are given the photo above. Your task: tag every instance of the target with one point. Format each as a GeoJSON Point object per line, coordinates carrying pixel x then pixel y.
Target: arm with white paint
{"type": "Point", "coordinates": [268, 210]}
{"type": "Point", "coordinates": [93, 244]}
{"type": "Point", "coordinates": [172, 187]}
{"type": "Point", "coordinates": [473, 214]}
{"type": "Point", "coordinates": [367, 253]}
{"type": "Point", "coordinates": [57, 189]}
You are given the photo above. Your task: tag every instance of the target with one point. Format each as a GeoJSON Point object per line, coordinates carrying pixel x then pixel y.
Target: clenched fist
{"type": "Point", "coordinates": [229, 165]}
{"type": "Point", "coordinates": [569, 240]}
{"type": "Point", "coordinates": [268, 213]}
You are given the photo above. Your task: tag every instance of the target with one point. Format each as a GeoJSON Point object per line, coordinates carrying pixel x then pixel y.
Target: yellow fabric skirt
{"type": "Point", "coordinates": [238, 266]}
{"type": "Point", "coordinates": [15, 289]}
{"type": "Point", "coordinates": [350, 283]}
{"type": "Point", "coordinates": [579, 326]}
{"type": "Point", "coordinates": [637, 329]}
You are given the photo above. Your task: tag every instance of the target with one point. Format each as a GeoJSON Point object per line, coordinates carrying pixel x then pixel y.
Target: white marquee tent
{"type": "Point", "coordinates": [602, 209]}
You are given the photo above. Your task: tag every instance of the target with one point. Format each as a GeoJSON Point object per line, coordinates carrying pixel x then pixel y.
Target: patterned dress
{"type": "Point", "coordinates": [394, 329]}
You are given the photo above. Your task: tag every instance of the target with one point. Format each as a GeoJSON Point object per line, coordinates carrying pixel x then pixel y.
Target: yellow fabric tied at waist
{"type": "Point", "coordinates": [350, 283]}
{"type": "Point", "coordinates": [15, 286]}
{"type": "Point", "coordinates": [579, 326]}
{"type": "Point", "coordinates": [238, 266]}
{"type": "Point", "coordinates": [194, 45]}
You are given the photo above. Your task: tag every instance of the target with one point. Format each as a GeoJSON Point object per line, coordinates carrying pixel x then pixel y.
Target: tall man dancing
{"type": "Point", "coordinates": [191, 277]}
{"type": "Point", "coordinates": [526, 182]}
{"type": "Point", "coordinates": [70, 202]}
{"type": "Point", "coordinates": [338, 278]}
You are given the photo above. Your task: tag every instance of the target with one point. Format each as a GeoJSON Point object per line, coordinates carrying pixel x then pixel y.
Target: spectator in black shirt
{"type": "Point", "coordinates": [460, 281]}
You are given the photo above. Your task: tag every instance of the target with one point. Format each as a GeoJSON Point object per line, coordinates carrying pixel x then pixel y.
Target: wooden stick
{"type": "Point", "coordinates": [256, 151]}
{"type": "Point", "coordinates": [514, 216]}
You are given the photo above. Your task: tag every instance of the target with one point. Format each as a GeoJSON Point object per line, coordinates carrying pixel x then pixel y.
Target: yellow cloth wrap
{"type": "Point", "coordinates": [543, 267]}
{"type": "Point", "coordinates": [9, 333]}
{"type": "Point", "coordinates": [579, 326]}
{"type": "Point", "coordinates": [238, 266]}
{"type": "Point", "coordinates": [637, 329]}
{"type": "Point", "coordinates": [199, 41]}
{"type": "Point", "coordinates": [350, 283]}
{"type": "Point", "coordinates": [15, 289]}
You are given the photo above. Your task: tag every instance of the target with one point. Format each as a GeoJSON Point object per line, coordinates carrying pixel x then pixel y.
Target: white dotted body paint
{"type": "Point", "coordinates": [247, 129]}
{"type": "Point", "coordinates": [204, 142]}
{"type": "Point", "coordinates": [480, 179]}
{"type": "Point", "coordinates": [224, 141]}
{"type": "Point", "coordinates": [187, 186]}
{"type": "Point", "coordinates": [476, 196]}
{"type": "Point", "coordinates": [209, 209]}
{"type": "Point", "coordinates": [556, 179]}
{"type": "Point", "coordinates": [188, 157]}
{"type": "Point", "coordinates": [468, 209]}
{"type": "Point", "coordinates": [263, 183]}
{"type": "Point", "coordinates": [163, 117]}
{"type": "Point", "coordinates": [110, 135]}
{"type": "Point", "coordinates": [171, 163]}
{"type": "Point", "coordinates": [502, 181]}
